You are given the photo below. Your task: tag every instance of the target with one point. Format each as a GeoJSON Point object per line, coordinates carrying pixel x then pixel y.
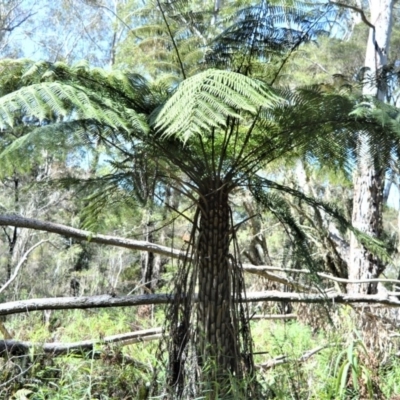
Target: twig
{"type": "Point", "coordinates": [21, 262]}
{"type": "Point", "coordinates": [283, 359]}
{"type": "Point", "coordinates": [274, 316]}
{"type": "Point", "coordinates": [22, 373]}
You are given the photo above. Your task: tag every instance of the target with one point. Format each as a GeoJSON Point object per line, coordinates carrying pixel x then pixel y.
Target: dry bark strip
{"type": "Point", "coordinates": [16, 347]}
{"type": "Point", "coordinates": [104, 301]}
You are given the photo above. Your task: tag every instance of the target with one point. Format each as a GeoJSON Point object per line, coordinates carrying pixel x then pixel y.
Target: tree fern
{"type": "Point", "coordinates": [209, 134]}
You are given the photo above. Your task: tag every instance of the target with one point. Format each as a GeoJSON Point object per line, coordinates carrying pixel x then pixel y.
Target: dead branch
{"type": "Point", "coordinates": [20, 264]}
{"type": "Point", "coordinates": [104, 301]}
{"type": "Point", "coordinates": [263, 270]}
{"type": "Point", "coordinates": [66, 303]}
{"type": "Point", "coordinates": [16, 347]}
{"type": "Point", "coordinates": [328, 298]}
{"type": "Point", "coordinates": [283, 359]}
{"type": "Point", "coordinates": [31, 223]}
{"type": "Point", "coordinates": [357, 10]}
{"type": "Point", "coordinates": [278, 278]}
{"type": "Point", "coordinates": [274, 316]}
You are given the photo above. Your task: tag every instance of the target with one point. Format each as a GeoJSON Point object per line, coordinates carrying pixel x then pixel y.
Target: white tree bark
{"type": "Point", "coordinates": [369, 177]}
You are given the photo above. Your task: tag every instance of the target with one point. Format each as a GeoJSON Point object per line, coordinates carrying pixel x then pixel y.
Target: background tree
{"type": "Point", "coordinates": [369, 184]}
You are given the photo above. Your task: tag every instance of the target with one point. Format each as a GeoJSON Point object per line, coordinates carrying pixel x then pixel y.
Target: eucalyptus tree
{"type": "Point", "coordinates": [208, 136]}
{"type": "Point", "coordinates": [369, 182]}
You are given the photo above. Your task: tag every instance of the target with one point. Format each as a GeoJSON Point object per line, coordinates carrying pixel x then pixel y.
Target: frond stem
{"type": "Point", "coordinates": [172, 39]}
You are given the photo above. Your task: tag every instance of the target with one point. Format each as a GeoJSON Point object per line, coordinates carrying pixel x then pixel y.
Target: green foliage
{"type": "Point", "coordinates": [208, 100]}
{"type": "Point", "coordinates": [335, 372]}
{"type": "Point", "coordinates": [69, 94]}
{"type": "Point", "coordinates": [261, 189]}
{"type": "Point", "coordinates": [350, 372]}
{"type": "Point", "coordinates": [200, 129]}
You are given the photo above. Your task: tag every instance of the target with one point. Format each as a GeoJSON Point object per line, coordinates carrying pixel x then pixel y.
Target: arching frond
{"type": "Point", "coordinates": [277, 205]}
{"type": "Point", "coordinates": [52, 101]}
{"type": "Point", "coordinates": [206, 100]}
{"type": "Point", "coordinates": [265, 30]}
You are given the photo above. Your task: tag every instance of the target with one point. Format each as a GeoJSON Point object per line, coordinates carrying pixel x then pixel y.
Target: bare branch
{"type": "Point", "coordinates": [357, 10]}
{"type": "Point", "coordinates": [273, 316]}
{"type": "Point", "coordinates": [19, 23]}
{"type": "Point", "coordinates": [66, 303]}
{"type": "Point", "coordinates": [15, 377]}
{"type": "Point", "coordinates": [31, 223]}
{"type": "Point", "coordinates": [277, 278]}
{"type": "Point", "coordinates": [332, 298]}
{"type": "Point", "coordinates": [286, 359]}
{"type": "Point", "coordinates": [21, 262]}
{"type": "Point", "coordinates": [16, 347]}
{"type": "Point", "coordinates": [262, 270]}
{"type": "Point", "coordinates": [22, 222]}
{"type": "Point", "coordinates": [104, 301]}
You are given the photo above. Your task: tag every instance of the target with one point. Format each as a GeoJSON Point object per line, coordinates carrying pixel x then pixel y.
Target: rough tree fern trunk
{"type": "Point", "coordinates": [207, 332]}
{"type": "Point", "coordinates": [217, 341]}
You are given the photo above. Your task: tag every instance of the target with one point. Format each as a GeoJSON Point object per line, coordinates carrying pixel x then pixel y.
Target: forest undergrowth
{"type": "Point", "coordinates": [294, 360]}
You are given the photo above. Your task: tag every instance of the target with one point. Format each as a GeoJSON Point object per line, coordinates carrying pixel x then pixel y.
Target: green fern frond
{"type": "Point", "coordinates": [205, 101]}
{"type": "Point", "coordinates": [54, 101]}
{"type": "Point", "coordinates": [260, 187]}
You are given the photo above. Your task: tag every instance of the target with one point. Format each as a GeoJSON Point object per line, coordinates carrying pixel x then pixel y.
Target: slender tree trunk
{"type": "Point", "coordinates": [217, 337]}
{"type": "Point", "coordinates": [257, 252]}
{"type": "Point", "coordinates": [367, 217]}
{"type": "Point", "coordinates": [369, 177]}
{"type": "Point", "coordinates": [147, 258]}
